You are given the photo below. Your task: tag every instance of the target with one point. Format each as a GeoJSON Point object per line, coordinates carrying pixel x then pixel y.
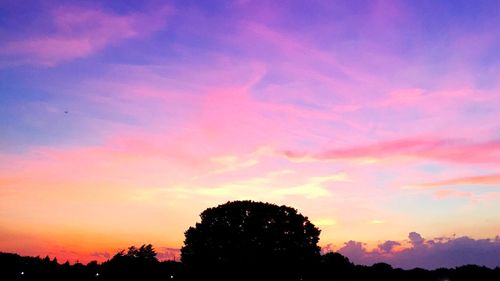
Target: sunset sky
{"type": "Point", "coordinates": [121, 121]}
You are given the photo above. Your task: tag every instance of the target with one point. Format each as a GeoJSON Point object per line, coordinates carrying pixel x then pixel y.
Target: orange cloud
{"type": "Point", "coordinates": [493, 179]}
{"type": "Point", "coordinates": [441, 194]}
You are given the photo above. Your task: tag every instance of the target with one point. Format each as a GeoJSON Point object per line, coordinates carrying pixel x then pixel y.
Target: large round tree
{"type": "Point", "coordinates": [251, 240]}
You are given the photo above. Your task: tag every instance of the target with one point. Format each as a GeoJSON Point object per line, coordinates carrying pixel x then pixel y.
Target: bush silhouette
{"type": "Point", "coordinates": [251, 240]}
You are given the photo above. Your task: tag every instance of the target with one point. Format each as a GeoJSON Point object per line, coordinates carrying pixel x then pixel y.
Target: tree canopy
{"type": "Point", "coordinates": [251, 238]}
{"type": "Point", "coordinates": [134, 263]}
{"type": "Point", "coordinates": [145, 253]}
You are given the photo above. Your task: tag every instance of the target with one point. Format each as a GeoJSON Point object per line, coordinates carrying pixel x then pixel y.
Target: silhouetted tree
{"type": "Point", "coordinates": [138, 263]}
{"type": "Point", "coordinates": [383, 271]}
{"type": "Point", "coordinates": [145, 253]}
{"type": "Point", "coordinates": [251, 240]}
{"type": "Point", "coordinates": [337, 264]}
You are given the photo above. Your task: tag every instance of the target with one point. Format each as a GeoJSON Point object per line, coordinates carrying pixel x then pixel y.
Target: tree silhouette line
{"type": "Point", "coordinates": [239, 240]}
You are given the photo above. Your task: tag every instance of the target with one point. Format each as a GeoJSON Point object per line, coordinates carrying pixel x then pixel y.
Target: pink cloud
{"type": "Point", "coordinates": [442, 194]}
{"type": "Point", "coordinates": [454, 151]}
{"type": "Point", "coordinates": [101, 255]}
{"type": "Point", "coordinates": [167, 253]}
{"type": "Point", "coordinates": [299, 56]}
{"type": "Point", "coordinates": [80, 32]}
{"type": "Point", "coordinates": [493, 179]}
{"type": "Point", "coordinates": [402, 97]}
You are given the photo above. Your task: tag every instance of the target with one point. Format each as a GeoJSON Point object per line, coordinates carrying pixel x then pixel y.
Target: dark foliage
{"type": "Point", "coordinates": [332, 266]}
{"type": "Point", "coordinates": [135, 264]}
{"type": "Point", "coordinates": [335, 262]}
{"type": "Point", "coordinates": [251, 240]}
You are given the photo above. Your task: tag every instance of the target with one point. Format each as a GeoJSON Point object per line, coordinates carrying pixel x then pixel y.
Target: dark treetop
{"type": "Point", "coordinates": [251, 239]}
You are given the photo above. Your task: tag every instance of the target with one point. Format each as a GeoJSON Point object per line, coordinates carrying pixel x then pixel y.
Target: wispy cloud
{"type": "Point", "coordinates": [492, 179]}
{"type": "Point", "coordinates": [445, 150]}
{"type": "Point", "coordinates": [324, 222]}
{"type": "Point", "coordinates": [80, 32]}
{"type": "Point", "coordinates": [101, 255]}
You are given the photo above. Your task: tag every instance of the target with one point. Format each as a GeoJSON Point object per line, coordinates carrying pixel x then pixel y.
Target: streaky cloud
{"type": "Point", "coordinates": [491, 179]}
{"type": "Point", "coordinates": [445, 150]}
{"type": "Point", "coordinates": [80, 32]}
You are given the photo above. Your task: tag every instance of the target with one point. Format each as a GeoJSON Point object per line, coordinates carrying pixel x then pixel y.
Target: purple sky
{"type": "Point", "coordinates": [378, 120]}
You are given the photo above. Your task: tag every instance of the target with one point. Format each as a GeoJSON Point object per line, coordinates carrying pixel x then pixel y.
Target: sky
{"type": "Point", "coordinates": [121, 121]}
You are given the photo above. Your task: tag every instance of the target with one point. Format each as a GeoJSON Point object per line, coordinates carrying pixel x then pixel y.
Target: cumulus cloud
{"type": "Point", "coordinates": [354, 250]}
{"type": "Point", "coordinates": [430, 254]}
{"type": "Point", "coordinates": [415, 239]}
{"type": "Point", "coordinates": [387, 246]}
